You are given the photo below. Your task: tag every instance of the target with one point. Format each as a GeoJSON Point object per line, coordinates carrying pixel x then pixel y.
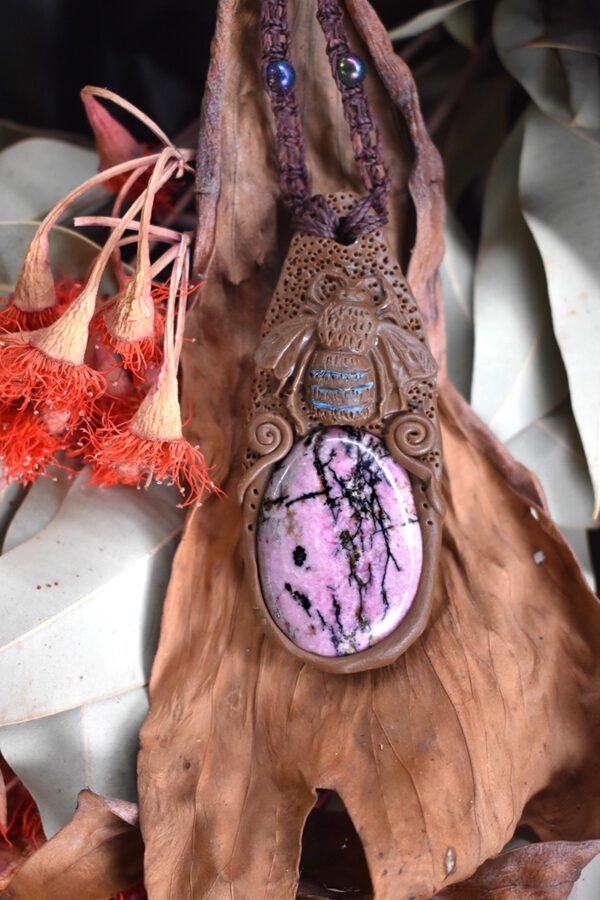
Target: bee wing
{"type": "Point", "coordinates": [407, 354]}
{"type": "Point", "coordinates": [281, 348]}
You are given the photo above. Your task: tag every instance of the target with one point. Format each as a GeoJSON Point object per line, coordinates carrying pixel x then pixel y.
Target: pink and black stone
{"type": "Point", "coordinates": [339, 544]}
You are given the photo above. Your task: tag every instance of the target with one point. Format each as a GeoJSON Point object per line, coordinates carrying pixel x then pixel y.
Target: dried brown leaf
{"type": "Point", "coordinates": [11, 859]}
{"type": "Point", "coordinates": [97, 854]}
{"type": "Point", "coordinates": [546, 871]}
{"type": "Point", "coordinates": [493, 710]}
{"type": "Point", "coordinates": [3, 807]}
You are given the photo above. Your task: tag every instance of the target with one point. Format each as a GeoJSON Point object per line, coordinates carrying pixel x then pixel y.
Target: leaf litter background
{"type": "Point", "coordinates": [516, 720]}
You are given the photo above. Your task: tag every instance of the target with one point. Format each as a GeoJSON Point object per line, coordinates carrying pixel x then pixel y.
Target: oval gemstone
{"type": "Point", "coordinates": [339, 544]}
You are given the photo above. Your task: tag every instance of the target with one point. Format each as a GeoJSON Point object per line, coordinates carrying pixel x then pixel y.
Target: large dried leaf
{"type": "Point", "coordinates": [548, 871]}
{"type": "Point", "coordinates": [96, 855]}
{"type": "Point", "coordinates": [564, 83]}
{"type": "Point", "coordinates": [79, 612]}
{"type": "Point", "coordinates": [437, 756]}
{"type": "Point", "coordinates": [560, 197]}
{"type": "Point", "coordinates": [518, 376]}
{"type": "Point", "coordinates": [38, 172]}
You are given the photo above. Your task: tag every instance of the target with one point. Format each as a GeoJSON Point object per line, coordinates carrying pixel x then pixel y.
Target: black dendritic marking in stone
{"type": "Point", "coordinates": [360, 492]}
{"type": "Point", "coordinates": [299, 597]}
{"type": "Point", "coordinates": [299, 555]}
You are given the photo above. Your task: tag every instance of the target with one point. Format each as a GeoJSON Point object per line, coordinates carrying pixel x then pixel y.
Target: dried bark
{"type": "Point", "coordinates": [491, 718]}
{"type": "Point", "coordinates": [97, 854]}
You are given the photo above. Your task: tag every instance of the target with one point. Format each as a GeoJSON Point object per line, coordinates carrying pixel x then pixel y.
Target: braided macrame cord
{"type": "Point", "coordinates": [312, 214]}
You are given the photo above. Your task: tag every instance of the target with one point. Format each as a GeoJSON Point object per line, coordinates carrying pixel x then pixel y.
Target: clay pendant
{"type": "Point", "coordinates": [341, 499]}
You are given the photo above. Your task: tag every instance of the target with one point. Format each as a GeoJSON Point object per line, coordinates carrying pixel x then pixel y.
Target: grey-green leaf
{"type": "Point", "coordinates": [38, 172]}
{"type": "Point", "coordinates": [425, 20]}
{"type": "Point", "coordinates": [551, 448]}
{"type": "Point", "coordinates": [62, 601]}
{"type": "Point", "coordinates": [518, 375]}
{"type": "Point", "coordinates": [560, 196]}
{"type": "Point", "coordinates": [457, 288]}
{"type": "Point", "coordinates": [462, 25]}
{"type": "Point", "coordinates": [564, 83]}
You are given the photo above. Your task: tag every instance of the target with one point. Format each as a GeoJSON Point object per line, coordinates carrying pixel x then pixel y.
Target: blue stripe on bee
{"type": "Point", "coordinates": [332, 406]}
{"type": "Point", "coordinates": [352, 391]}
{"type": "Point", "coordinates": [330, 373]}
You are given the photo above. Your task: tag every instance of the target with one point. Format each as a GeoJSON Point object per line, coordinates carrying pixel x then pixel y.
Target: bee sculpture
{"type": "Point", "coordinates": [343, 358]}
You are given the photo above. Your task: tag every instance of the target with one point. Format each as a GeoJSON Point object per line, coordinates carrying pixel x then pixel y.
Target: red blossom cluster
{"type": "Point", "coordinates": [89, 376]}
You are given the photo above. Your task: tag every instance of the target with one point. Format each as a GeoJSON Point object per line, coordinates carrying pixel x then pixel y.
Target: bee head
{"type": "Point", "coordinates": [353, 294]}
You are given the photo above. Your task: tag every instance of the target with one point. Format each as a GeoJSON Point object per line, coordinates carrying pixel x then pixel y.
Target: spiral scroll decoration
{"type": "Point", "coordinates": [413, 434]}
{"type": "Point", "coordinates": [270, 433]}
{"type": "Point", "coordinates": [272, 438]}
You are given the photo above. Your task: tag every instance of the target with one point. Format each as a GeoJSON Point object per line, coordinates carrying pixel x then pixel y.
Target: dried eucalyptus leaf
{"type": "Point", "coordinates": [11, 132]}
{"type": "Point", "coordinates": [96, 855]}
{"type": "Point", "coordinates": [587, 888]}
{"type": "Point", "coordinates": [518, 375]}
{"type": "Point", "coordinates": [62, 600]}
{"type": "Point", "coordinates": [550, 446]}
{"type": "Point", "coordinates": [427, 19]}
{"type": "Point", "coordinates": [11, 496]}
{"type": "Point", "coordinates": [38, 172]}
{"type": "Point", "coordinates": [583, 40]}
{"type": "Point", "coordinates": [560, 198]}
{"type": "Point", "coordinates": [579, 544]}
{"type": "Point", "coordinates": [564, 83]}
{"type": "Point", "coordinates": [462, 25]}
{"type": "Point", "coordinates": [94, 745]}
{"type": "Point", "coordinates": [85, 590]}
{"type": "Point", "coordinates": [39, 506]}
{"type": "Point", "coordinates": [456, 275]}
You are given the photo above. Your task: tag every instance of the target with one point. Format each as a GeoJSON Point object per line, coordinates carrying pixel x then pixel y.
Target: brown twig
{"type": "Point", "coordinates": [410, 50]}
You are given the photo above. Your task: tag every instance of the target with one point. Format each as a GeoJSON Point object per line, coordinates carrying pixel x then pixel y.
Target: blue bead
{"type": "Point", "coordinates": [280, 76]}
{"type": "Point", "coordinates": [351, 70]}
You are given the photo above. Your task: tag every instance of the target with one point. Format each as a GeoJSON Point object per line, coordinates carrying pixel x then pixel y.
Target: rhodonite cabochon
{"type": "Point", "coordinates": [339, 544]}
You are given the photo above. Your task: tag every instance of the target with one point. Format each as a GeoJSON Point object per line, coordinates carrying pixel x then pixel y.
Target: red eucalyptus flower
{"type": "Point", "coordinates": [150, 446]}
{"type": "Point", "coordinates": [145, 449]}
{"type": "Point", "coordinates": [27, 445]}
{"type": "Point", "coordinates": [13, 318]}
{"type": "Point", "coordinates": [47, 366]}
{"type": "Point", "coordinates": [67, 370]}
{"type": "Point", "coordinates": [136, 351]}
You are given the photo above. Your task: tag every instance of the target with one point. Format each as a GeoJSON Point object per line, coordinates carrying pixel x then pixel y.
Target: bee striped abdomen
{"type": "Point", "coordinates": [340, 387]}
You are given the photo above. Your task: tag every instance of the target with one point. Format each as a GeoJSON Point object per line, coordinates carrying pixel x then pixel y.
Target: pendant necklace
{"type": "Point", "coordinates": [341, 501]}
